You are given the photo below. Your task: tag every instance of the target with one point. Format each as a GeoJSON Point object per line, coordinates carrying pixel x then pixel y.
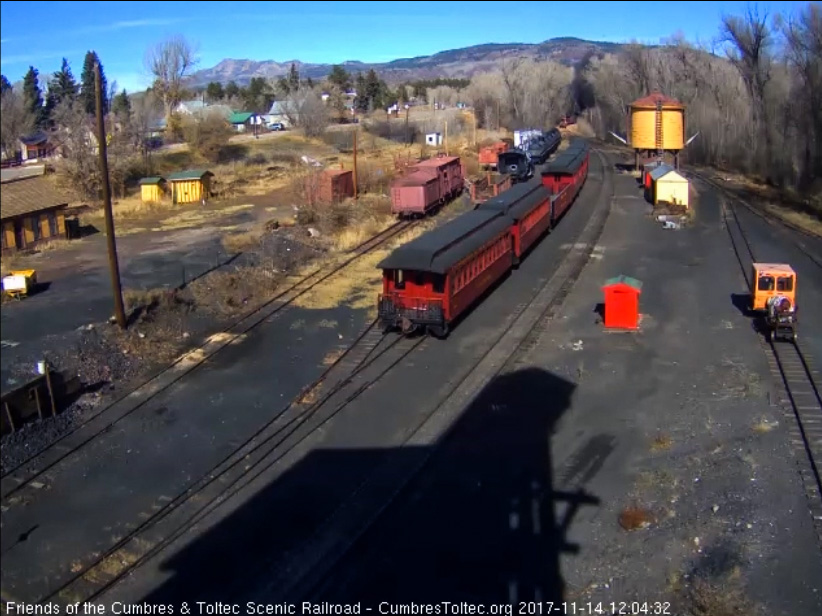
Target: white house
{"type": "Point", "coordinates": [277, 113]}
{"type": "Point", "coordinates": [197, 107]}
{"type": "Point", "coordinates": [434, 139]}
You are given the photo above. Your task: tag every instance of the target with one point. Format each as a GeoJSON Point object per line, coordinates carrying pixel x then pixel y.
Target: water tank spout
{"type": "Point", "coordinates": [618, 137]}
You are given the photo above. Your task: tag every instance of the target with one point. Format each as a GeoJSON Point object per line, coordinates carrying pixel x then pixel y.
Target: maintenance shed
{"type": "Point", "coordinates": [669, 186]}
{"type": "Point", "coordinates": [152, 189]}
{"type": "Point", "coordinates": [442, 247]}
{"type": "Point", "coordinates": [190, 186]}
{"type": "Point", "coordinates": [32, 211]}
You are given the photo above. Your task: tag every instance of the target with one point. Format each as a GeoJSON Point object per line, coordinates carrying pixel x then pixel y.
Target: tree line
{"type": "Point", "coordinates": [754, 94]}
{"type": "Point", "coordinates": [31, 107]}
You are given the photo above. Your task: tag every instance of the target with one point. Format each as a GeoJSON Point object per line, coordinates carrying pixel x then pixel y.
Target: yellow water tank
{"type": "Point", "coordinates": [643, 114]}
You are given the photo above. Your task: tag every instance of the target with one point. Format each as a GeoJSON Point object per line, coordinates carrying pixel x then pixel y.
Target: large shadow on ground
{"type": "Point", "coordinates": [479, 523]}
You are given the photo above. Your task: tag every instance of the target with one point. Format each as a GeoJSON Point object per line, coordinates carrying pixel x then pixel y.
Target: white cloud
{"type": "Point", "coordinates": [122, 25]}
{"type": "Point", "coordinates": [36, 57]}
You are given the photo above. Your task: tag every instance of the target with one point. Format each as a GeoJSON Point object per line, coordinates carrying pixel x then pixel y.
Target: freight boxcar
{"type": "Point", "coordinates": [414, 194]}
{"type": "Point", "coordinates": [435, 278]}
{"type": "Point", "coordinates": [430, 184]}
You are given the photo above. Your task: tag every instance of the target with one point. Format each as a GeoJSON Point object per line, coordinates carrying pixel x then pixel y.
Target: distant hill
{"type": "Point", "coordinates": [453, 63]}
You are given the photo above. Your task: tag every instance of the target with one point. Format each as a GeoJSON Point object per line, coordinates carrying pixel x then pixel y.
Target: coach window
{"type": "Point", "coordinates": [419, 279]}
{"type": "Point", "coordinates": [765, 283]}
{"type": "Point", "coordinates": [784, 283]}
{"type": "Point", "coordinates": [439, 283]}
{"type": "Point", "coordinates": [399, 279]}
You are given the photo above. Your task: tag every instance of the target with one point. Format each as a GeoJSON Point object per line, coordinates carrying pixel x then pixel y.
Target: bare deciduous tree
{"type": "Point", "coordinates": [803, 37]}
{"type": "Point", "coordinates": [207, 134]}
{"type": "Point", "coordinates": [305, 109]}
{"type": "Point", "coordinates": [79, 168]}
{"type": "Point", "coordinates": [750, 40]}
{"type": "Point", "coordinates": [145, 111]}
{"type": "Point", "coordinates": [758, 109]}
{"type": "Point", "coordinates": [523, 93]}
{"type": "Point", "coordinates": [15, 122]}
{"type": "Point", "coordinates": [442, 95]}
{"type": "Point", "coordinates": [170, 62]}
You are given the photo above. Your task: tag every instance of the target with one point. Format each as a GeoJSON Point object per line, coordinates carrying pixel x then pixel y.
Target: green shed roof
{"type": "Point", "coordinates": [240, 117]}
{"type": "Point", "coordinates": [152, 180]}
{"type": "Point", "coordinates": [191, 174]}
{"type": "Point", "coordinates": [631, 282]}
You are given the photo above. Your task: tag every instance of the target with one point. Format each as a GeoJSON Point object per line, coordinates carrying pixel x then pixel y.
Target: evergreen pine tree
{"type": "Point", "coordinates": [33, 97]}
{"type": "Point", "coordinates": [121, 105]}
{"type": "Point", "coordinates": [293, 79]}
{"type": "Point", "coordinates": [87, 96]}
{"type": "Point", "coordinates": [63, 84]}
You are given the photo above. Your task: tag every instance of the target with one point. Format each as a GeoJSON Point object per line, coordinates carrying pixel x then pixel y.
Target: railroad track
{"type": "Point", "coordinates": [273, 444]}
{"type": "Point", "coordinates": [371, 357]}
{"type": "Point", "coordinates": [29, 470]}
{"type": "Point", "coordinates": [307, 571]}
{"type": "Point", "coordinates": [771, 219]}
{"type": "Point", "coordinates": [796, 379]}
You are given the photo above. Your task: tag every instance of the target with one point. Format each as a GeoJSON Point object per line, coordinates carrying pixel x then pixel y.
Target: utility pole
{"type": "Point", "coordinates": [355, 163]}
{"type": "Point", "coordinates": [119, 309]}
{"type": "Point", "coordinates": [446, 137]}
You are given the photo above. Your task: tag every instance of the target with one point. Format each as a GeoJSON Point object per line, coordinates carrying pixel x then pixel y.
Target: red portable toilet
{"type": "Point", "coordinates": [622, 302]}
{"type": "Point", "coordinates": [646, 173]}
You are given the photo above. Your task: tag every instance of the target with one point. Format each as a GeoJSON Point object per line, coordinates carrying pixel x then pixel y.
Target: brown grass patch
{"type": "Point", "coordinates": [635, 517]}
{"type": "Point", "coordinates": [198, 217]}
{"type": "Point", "coordinates": [763, 426]}
{"type": "Point", "coordinates": [358, 284]}
{"type": "Point", "coordinates": [310, 395]}
{"type": "Point", "coordinates": [803, 210]}
{"type": "Point", "coordinates": [243, 241]}
{"type": "Point", "coordinates": [333, 357]}
{"type": "Point", "coordinates": [662, 442]}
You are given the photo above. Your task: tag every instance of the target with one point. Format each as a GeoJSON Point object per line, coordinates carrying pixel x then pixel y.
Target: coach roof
{"type": "Point", "coordinates": [518, 200]}
{"type": "Point", "coordinates": [442, 247]}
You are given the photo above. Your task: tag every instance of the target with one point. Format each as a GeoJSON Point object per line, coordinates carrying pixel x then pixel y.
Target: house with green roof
{"type": "Point", "coordinates": [243, 120]}
{"type": "Point", "coordinates": [152, 189]}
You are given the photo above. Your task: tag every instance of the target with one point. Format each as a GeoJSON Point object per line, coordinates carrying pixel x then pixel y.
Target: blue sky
{"type": "Point", "coordinates": [41, 33]}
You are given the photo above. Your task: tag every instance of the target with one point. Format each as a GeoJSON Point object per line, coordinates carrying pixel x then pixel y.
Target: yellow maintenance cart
{"type": "Point", "coordinates": [19, 283]}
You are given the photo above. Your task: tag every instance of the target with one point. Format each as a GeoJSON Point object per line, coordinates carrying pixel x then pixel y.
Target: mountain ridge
{"type": "Point", "coordinates": [463, 62]}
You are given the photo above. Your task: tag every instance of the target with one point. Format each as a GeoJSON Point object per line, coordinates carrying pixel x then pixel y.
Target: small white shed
{"type": "Point", "coordinates": [433, 139]}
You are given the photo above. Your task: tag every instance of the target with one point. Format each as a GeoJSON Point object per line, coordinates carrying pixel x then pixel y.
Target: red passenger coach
{"type": "Point", "coordinates": [565, 175]}
{"type": "Point", "coordinates": [436, 277]}
{"type": "Point", "coordinates": [529, 205]}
